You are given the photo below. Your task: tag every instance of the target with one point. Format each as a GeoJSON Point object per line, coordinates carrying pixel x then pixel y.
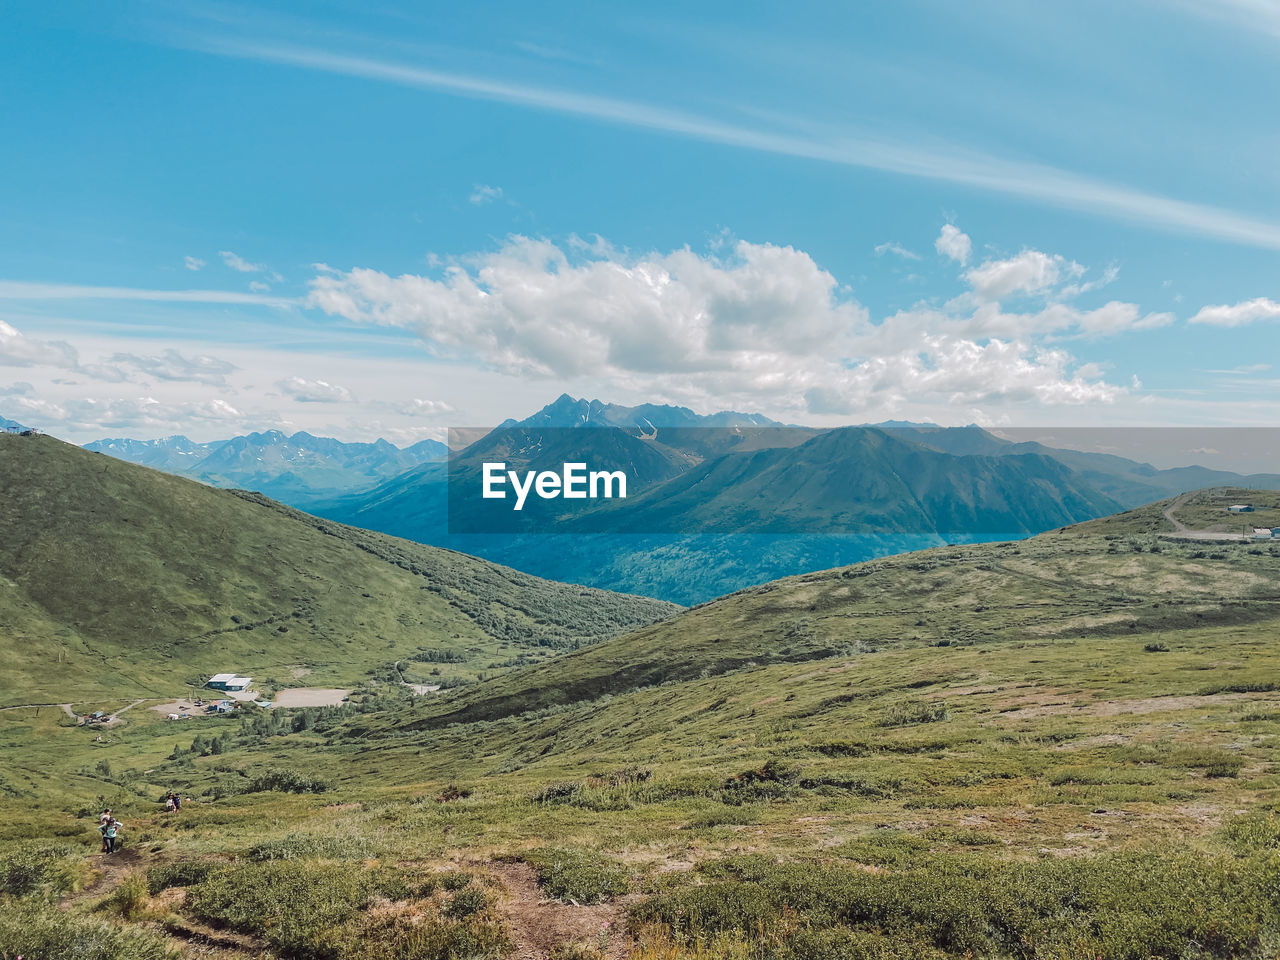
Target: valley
{"type": "Point", "coordinates": [1055, 747]}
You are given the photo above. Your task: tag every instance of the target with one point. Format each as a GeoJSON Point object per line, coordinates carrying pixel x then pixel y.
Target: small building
{"type": "Point", "coordinates": [223, 706]}
{"type": "Point", "coordinates": [229, 681]}
{"type": "Point", "coordinates": [1240, 508]}
{"type": "Point", "coordinates": [1262, 533]}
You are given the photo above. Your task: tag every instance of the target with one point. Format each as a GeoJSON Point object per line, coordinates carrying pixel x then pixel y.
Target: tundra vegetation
{"type": "Point", "coordinates": [1064, 747]}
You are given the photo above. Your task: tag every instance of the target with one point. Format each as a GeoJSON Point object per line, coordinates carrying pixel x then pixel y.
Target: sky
{"type": "Point", "coordinates": [386, 219]}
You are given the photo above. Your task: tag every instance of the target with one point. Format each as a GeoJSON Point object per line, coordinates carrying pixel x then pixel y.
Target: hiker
{"type": "Point", "coordinates": [111, 834]}
{"type": "Point", "coordinates": [177, 801]}
{"type": "Point", "coordinates": [168, 804]}
{"type": "Point", "coordinates": [103, 819]}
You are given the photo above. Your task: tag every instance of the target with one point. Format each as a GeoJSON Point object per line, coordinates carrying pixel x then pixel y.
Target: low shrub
{"type": "Point", "coordinates": [908, 712]}
{"type": "Point", "coordinates": [295, 846]}
{"type": "Point", "coordinates": [39, 930]}
{"type": "Point", "coordinates": [128, 899]}
{"type": "Point", "coordinates": [291, 904]}
{"type": "Point", "coordinates": [179, 873]}
{"type": "Point", "coordinates": [582, 876]}
{"type": "Point", "coordinates": [33, 867]}
{"type": "Point", "coordinates": [318, 910]}
{"type": "Point", "coordinates": [1168, 905]}
{"type": "Point", "coordinates": [285, 781]}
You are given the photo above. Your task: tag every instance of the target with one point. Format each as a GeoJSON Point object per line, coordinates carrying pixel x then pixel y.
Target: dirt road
{"type": "Point", "coordinates": [1181, 532]}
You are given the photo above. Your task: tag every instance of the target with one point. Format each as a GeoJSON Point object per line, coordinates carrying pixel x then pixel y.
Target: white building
{"type": "Point", "coordinates": [1262, 533]}
{"type": "Point", "coordinates": [1240, 508]}
{"type": "Point", "coordinates": [229, 681]}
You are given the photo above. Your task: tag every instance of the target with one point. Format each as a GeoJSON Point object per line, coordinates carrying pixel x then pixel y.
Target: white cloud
{"type": "Point", "coordinates": [424, 408]}
{"type": "Point", "coordinates": [954, 243]}
{"type": "Point", "coordinates": [896, 249]}
{"type": "Point", "coordinates": [756, 326]}
{"type": "Point", "coordinates": [962, 371]}
{"type": "Point", "coordinates": [258, 286]}
{"type": "Point", "coordinates": [132, 414]}
{"type": "Point", "coordinates": [237, 262]}
{"type": "Point", "coordinates": [482, 194]}
{"type": "Point", "coordinates": [1029, 272]}
{"type": "Point", "coordinates": [19, 350]}
{"type": "Point", "coordinates": [528, 309]}
{"type": "Point", "coordinates": [240, 264]}
{"type": "Point", "coordinates": [175, 366]}
{"type": "Point", "coordinates": [193, 263]}
{"type": "Point", "coordinates": [313, 391]}
{"type": "Point", "coordinates": [1235, 315]}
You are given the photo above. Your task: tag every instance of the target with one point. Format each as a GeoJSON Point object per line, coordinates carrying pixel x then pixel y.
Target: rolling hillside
{"type": "Point", "coordinates": [1113, 577]}
{"type": "Point", "coordinates": [122, 581]}
{"type": "Point", "coordinates": [1057, 748]}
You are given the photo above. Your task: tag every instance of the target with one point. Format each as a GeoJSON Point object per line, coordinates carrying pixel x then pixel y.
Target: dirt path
{"type": "Point", "coordinates": [110, 869]}
{"type": "Point", "coordinates": [1178, 525]}
{"type": "Point", "coordinates": [539, 925]}
{"type": "Point", "coordinates": [65, 707]}
{"type": "Point", "coordinates": [1181, 531]}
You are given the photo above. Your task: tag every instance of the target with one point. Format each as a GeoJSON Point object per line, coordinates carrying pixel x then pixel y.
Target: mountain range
{"type": "Point", "coordinates": [292, 468]}
{"type": "Point", "coordinates": [715, 502]}
{"type": "Point", "coordinates": [738, 501]}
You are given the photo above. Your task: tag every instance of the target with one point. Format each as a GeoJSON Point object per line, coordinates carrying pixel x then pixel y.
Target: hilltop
{"type": "Point", "coordinates": [118, 580]}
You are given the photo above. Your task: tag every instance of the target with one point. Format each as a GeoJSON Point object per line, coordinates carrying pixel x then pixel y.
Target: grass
{"type": "Point", "coordinates": [147, 582]}
{"type": "Point", "coordinates": [580, 876]}
{"type": "Point", "coordinates": [799, 771]}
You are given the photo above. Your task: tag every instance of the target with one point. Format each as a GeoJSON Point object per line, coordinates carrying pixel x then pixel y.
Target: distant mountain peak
{"type": "Point", "coordinates": [568, 411]}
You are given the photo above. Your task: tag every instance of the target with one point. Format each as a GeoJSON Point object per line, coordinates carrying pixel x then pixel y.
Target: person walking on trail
{"type": "Point", "coordinates": [177, 801]}
{"type": "Point", "coordinates": [168, 804]}
{"type": "Point", "coordinates": [112, 835]}
{"type": "Point", "coordinates": [103, 820]}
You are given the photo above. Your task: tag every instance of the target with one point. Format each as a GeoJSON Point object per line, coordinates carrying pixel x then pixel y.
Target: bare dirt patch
{"type": "Point", "coordinates": [538, 925]}
{"type": "Point", "coordinates": [309, 697]}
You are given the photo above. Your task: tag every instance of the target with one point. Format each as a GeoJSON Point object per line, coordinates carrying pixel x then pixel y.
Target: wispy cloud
{"type": "Point", "coordinates": [483, 194]}
{"type": "Point", "coordinates": [896, 249]}
{"type": "Point", "coordinates": [241, 265]}
{"type": "Point", "coordinates": [21, 290]}
{"type": "Point", "coordinates": [192, 263]}
{"type": "Point", "coordinates": [1041, 183]}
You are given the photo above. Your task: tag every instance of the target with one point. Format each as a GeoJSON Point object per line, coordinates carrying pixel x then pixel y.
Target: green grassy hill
{"type": "Point", "coordinates": [119, 581]}
{"type": "Point", "coordinates": [1113, 577]}
{"type": "Point", "coordinates": [1055, 749]}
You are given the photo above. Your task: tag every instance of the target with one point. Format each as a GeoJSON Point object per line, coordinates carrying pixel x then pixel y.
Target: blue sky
{"type": "Point", "coordinates": [381, 218]}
